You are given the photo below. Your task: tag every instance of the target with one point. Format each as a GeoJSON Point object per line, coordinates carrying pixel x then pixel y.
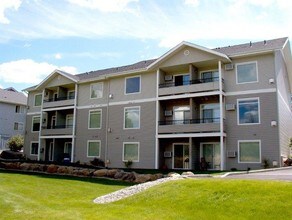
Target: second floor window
{"type": "Point", "coordinates": [36, 123]}
{"type": "Point", "coordinates": [246, 73]}
{"type": "Point", "coordinates": [34, 147]}
{"type": "Point", "coordinates": [96, 90]}
{"type": "Point", "coordinates": [133, 85]}
{"type": "Point", "coordinates": [94, 119]}
{"type": "Point", "coordinates": [38, 100]}
{"type": "Point", "coordinates": [132, 118]}
{"type": "Point", "coordinates": [18, 126]}
{"type": "Point", "coordinates": [93, 149]}
{"type": "Point", "coordinates": [248, 111]}
{"type": "Point", "coordinates": [19, 109]}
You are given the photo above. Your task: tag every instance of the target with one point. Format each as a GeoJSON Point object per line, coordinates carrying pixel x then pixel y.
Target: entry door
{"type": "Point", "coordinates": [181, 114]}
{"type": "Point", "coordinates": [181, 156]}
{"type": "Point", "coordinates": [211, 153]}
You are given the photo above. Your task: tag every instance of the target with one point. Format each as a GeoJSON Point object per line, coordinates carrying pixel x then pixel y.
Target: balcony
{"type": "Point", "coordinates": [57, 130]}
{"type": "Point", "coordinates": [58, 102]}
{"type": "Point", "coordinates": [192, 86]}
{"type": "Point", "coordinates": [189, 126]}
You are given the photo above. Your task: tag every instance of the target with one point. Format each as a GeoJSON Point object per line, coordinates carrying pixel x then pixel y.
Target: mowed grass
{"type": "Point", "coordinates": [51, 197]}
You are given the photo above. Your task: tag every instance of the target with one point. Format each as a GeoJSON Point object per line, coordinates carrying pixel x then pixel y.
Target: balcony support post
{"type": "Point", "coordinates": [74, 124]}
{"type": "Point", "coordinates": [222, 148]}
{"type": "Point", "coordinates": [41, 124]}
{"type": "Point", "coordinates": [157, 119]}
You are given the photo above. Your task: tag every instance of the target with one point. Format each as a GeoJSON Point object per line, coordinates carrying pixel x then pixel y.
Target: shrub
{"type": "Point", "coordinates": [97, 162]}
{"type": "Point", "coordinates": [15, 143]}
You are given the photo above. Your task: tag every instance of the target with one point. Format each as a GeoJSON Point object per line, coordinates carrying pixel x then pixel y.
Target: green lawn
{"type": "Point", "coordinates": [52, 197]}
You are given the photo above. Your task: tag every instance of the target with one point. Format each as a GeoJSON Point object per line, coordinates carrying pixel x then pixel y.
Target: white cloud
{"type": "Point", "coordinates": [58, 56]}
{"type": "Point", "coordinates": [193, 3]}
{"type": "Point", "coordinates": [102, 5]}
{"type": "Point", "coordinates": [4, 6]}
{"type": "Point", "coordinates": [29, 71]}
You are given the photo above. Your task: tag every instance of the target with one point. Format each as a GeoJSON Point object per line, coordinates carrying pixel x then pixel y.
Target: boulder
{"type": "Point", "coordinates": [119, 175]}
{"type": "Point", "coordinates": [85, 172]}
{"type": "Point", "coordinates": [52, 168]}
{"type": "Point", "coordinates": [24, 166]}
{"type": "Point", "coordinates": [142, 178]}
{"type": "Point", "coordinates": [101, 173]}
{"type": "Point", "coordinates": [188, 173]}
{"type": "Point", "coordinates": [62, 169]}
{"type": "Point", "coordinates": [111, 173]}
{"type": "Point", "coordinates": [159, 175]}
{"type": "Point", "coordinates": [12, 165]}
{"type": "Point", "coordinates": [173, 174]}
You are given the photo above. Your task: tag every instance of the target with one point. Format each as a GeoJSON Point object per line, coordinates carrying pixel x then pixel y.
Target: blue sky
{"type": "Point", "coordinates": [38, 36]}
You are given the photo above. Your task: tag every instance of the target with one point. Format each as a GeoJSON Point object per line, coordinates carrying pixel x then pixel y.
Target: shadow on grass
{"type": "Point", "coordinates": [68, 177]}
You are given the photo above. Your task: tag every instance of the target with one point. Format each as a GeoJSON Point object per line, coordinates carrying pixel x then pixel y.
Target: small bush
{"type": "Point", "coordinates": [15, 143]}
{"type": "Point", "coordinates": [97, 162]}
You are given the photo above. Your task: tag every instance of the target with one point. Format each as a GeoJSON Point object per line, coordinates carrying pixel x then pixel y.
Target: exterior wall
{"type": "Point", "coordinates": [8, 117]}
{"type": "Point", "coordinates": [29, 137]}
{"type": "Point", "coordinates": [58, 80]}
{"type": "Point", "coordinates": [30, 102]}
{"type": "Point", "coordinates": [264, 131]}
{"type": "Point", "coordinates": [284, 105]}
{"type": "Point", "coordinates": [84, 95]}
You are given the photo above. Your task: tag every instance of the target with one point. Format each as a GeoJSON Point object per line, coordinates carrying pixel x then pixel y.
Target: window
{"type": "Point", "coordinates": [133, 85]}
{"type": "Point", "coordinates": [18, 126]}
{"type": "Point", "coordinates": [69, 121]}
{"type": "Point", "coordinates": [246, 72]}
{"type": "Point", "coordinates": [94, 119]}
{"type": "Point", "coordinates": [131, 151]}
{"type": "Point", "coordinates": [34, 148]}
{"type": "Point", "coordinates": [38, 100]}
{"type": "Point", "coordinates": [132, 118]}
{"type": "Point", "coordinates": [19, 109]}
{"type": "Point", "coordinates": [36, 123]}
{"type": "Point", "coordinates": [210, 76]}
{"type": "Point", "coordinates": [181, 114]}
{"type": "Point", "coordinates": [249, 151]}
{"type": "Point", "coordinates": [180, 80]}
{"type": "Point", "coordinates": [210, 113]}
{"type": "Point", "coordinates": [248, 111]}
{"type": "Point", "coordinates": [71, 94]}
{"type": "Point", "coordinates": [93, 149]}
{"type": "Point", "coordinates": [96, 90]}
{"type": "Point", "coordinates": [67, 149]}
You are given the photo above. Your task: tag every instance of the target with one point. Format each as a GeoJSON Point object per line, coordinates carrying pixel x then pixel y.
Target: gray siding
{"type": "Point", "coordinates": [29, 137]}
{"type": "Point", "coordinates": [284, 105]}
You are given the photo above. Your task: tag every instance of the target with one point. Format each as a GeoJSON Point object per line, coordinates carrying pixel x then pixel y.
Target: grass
{"type": "Point", "coordinates": [53, 197]}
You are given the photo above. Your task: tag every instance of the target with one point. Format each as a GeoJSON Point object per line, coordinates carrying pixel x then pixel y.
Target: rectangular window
{"type": "Point", "coordinates": [96, 90]}
{"type": "Point", "coordinates": [131, 151]}
{"type": "Point", "coordinates": [71, 94]}
{"type": "Point", "coordinates": [93, 149]}
{"type": "Point", "coordinates": [181, 115]}
{"type": "Point", "coordinates": [18, 126]}
{"type": "Point", "coordinates": [181, 80]}
{"type": "Point", "coordinates": [133, 85]}
{"type": "Point", "coordinates": [246, 72]}
{"type": "Point", "coordinates": [249, 151]}
{"type": "Point", "coordinates": [132, 118]}
{"type": "Point", "coordinates": [69, 121]}
{"type": "Point", "coordinates": [210, 113]}
{"type": "Point", "coordinates": [36, 123]}
{"type": "Point", "coordinates": [210, 76]}
{"type": "Point", "coordinates": [94, 119]}
{"type": "Point", "coordinates": [38, 100]}
{"type": "Point", "coordinates": [248, 111]}
{"type": "Point", "coordinates": [34, 148]}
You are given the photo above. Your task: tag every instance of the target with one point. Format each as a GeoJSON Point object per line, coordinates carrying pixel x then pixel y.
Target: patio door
{"type": "Point", "coordinates": [181, 156]}
{"type": "Point", "coordinates": [181, 114]}
{"type": "Point", "coordinates": [211, 153]}
{"type": "Point", "coordinates": [50, 151]}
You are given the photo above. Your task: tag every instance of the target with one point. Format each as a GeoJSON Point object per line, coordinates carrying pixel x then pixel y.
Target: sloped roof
{"type": "Point", "coordinates": [12, 97]}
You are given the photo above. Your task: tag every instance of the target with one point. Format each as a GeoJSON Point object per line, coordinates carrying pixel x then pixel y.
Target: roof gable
{"type": "Point", "coordinates": [12, 97]}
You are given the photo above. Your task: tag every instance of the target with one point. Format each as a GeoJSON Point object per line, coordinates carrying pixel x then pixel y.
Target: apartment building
{"type": "Point", "coordinates": [12, 114]}
{"type": "Point", "coordinates": [227, 106]}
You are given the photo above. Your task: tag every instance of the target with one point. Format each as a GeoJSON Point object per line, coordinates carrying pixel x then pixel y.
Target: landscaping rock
{"type": "Point", "coordinates": [111, 173]}
{"type": "Point", "coordinates": [24, 166]}
{"type": "Point", "coordinates": [85, 172]}
{"type": "Point", "coordinates": [52, 168]}
{"type": "Point", "coordinates": [188, 173]}
{"type": "Point", "coordinates": [119, 175]}
{"type": "Point", "coordinates": [173, 174]}
{"type": "Point", "coordinates": [142, 178]}
{"type": "Point", "coordinates": [101, 173]}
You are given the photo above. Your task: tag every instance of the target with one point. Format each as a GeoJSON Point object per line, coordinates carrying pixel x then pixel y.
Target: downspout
{"type": "Point", "coordinates": [156, 122]}
{"type": "Point", "coordinates": [74, 124]}
{"type": "Point", "coordinates": [106, 160]}
{"type": "Point", "coordinates": [222, 151]}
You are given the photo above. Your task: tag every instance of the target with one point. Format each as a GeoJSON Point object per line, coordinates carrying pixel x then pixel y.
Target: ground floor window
{"type": "Point", "coordinates": [93, 148]}
{"type": "Point", "coordinates": [131, 151]}
{"type": "Point", "coordinates": [249, 151]}
{"type": "Point", "coordinates": [34, 148]}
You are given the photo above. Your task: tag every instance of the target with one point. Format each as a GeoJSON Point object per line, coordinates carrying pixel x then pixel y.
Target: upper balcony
{"type": "Point", "coordinates": [57, 130]}
{"type": "Point", "coordinates": [190, 86]}
{"type": "Point", "coordinates": [205, 125]}
{"type": "Point", "coordinates": [58, 102]}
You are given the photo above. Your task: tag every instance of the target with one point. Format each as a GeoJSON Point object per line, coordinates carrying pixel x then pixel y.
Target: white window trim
{"type": "Point", "coordinates": [205, 71]}
{"type": "Point", "coordinates": [32, 131]}
{"type": "Point", "coordinates": [124, 122]}
{"type": "Point", "coordinates": [138, 143]}
{"type": "Point", "coordinates": [140, 88]}
{"type": "Point", "coordinates": [239, 83]}
{"type": "Point", "coordinates": [91, 90]}
{"type": "Point", "coordinates": [19, 123]}
{"type": "Point", "coordinates": [172, 154]}
{"type": "Point", "coordinates": [34, 100]}
{"type": "Point", "coordinates": [247, 141]}
{"type": "Point", "coordinates": [94, 110]}
{"type": "Point", "coordinates": [259, 105]}
{"type": "Point", "coordinates": [98, 141]}
{"type": "Point", "coordinates": [33, 142]}
{"type": "Point", "coordinates": [67, 116]}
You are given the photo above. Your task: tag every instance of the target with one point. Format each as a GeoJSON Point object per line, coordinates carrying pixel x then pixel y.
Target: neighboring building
{"type": "Point", "coordinates": [229, 105]}
{"type": "Point", "coordinates": [12, 114]}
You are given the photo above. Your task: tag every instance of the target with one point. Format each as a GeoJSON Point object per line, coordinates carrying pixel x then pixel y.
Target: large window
{"type": "Point", "coordinates": [249, 151]}
{"type": "Point", "coordinates": [69, 121]}
{"type": "Point", "coordinates": [248, 111]}
{"type": "Point", "coordinates": [210, 113]}
{"type": "Point", "coordinates": [183, 79]}
{"type": "Point", "coordinates": [132, 118]}
{"type": "Point", "coordinates": [96, 90]}
{"type": "Point", "coordinates": [94, 119]}
{"type": "Point", "coordinates": [36, 123]}
{"type": "Point", "coordinates": [246, 72]}
{"type": "Point", "coordinates": [93, 149]}
{"type": "Point", "coordinates": [131, 151]}
{"type": "Point", "coordinates": [133, 85]}
{"type": "Point", "coordinates": [34, 148]}
{"type": "Point", "coordinates": [181, 114]}
{"type": "Point", "coordinates": [210, 76]}
{"type": "Point", "coordinates": [38, 100]}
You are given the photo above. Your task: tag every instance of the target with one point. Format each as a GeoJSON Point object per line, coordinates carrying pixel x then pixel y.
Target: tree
{"type": "Point", "coordinates": [15, 143]}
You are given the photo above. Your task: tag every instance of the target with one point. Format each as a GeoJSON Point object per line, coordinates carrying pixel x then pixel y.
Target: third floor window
{"type": "Point", "coordinates": [133, 85]}
{"type": "Point", "coordinates": [246, 73]}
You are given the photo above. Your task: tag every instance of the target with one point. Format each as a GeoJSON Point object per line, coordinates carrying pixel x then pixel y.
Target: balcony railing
{"type": "Point", "coordinates": [190, 121]}
{"type": "Point", "coordinates": [57, 127]}
{"type": "Point", "coordinates": [59, 99]}
{"type": "Point", "coordinates": [190, 82]}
